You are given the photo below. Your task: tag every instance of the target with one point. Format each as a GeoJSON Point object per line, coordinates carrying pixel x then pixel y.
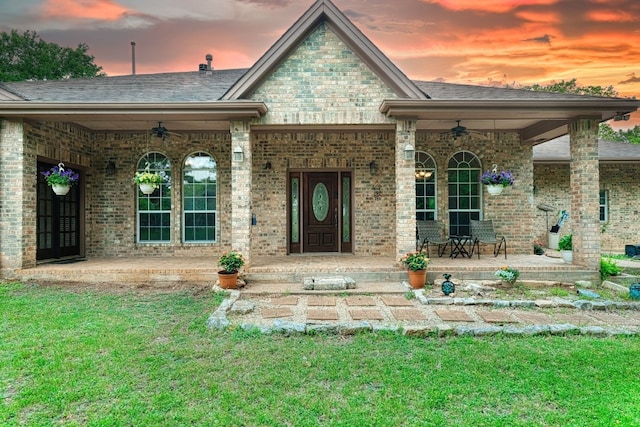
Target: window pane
{"type": "Point", "coordinates": [199, 198]}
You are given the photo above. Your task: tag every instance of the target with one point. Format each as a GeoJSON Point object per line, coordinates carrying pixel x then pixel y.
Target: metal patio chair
{"type": "Point", "coordinates": [482, 232]}
{"type": "Point", "coordinates": [428, 232]}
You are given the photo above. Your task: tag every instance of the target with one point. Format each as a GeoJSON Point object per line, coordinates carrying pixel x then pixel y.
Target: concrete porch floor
{"type": "Point", "coordinates": [372, 274]}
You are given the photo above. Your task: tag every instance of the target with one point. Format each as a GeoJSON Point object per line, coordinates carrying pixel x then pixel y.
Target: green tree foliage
{"type": "Point", "coordinates": [27, 57]}
{"type": "Point", "coordinates": [608, 133]}
{"type": "Point", "coordinates": [570, 86]}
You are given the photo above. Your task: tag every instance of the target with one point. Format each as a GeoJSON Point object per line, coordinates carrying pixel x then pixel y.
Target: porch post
{"type": "Point", "coordinates": [405, 188]}
{"type": "Point", "coordinates": [241, 188]}
{"type": "Point", "coordinates": [585, 192]}
{"type": "Point", "coordinates": [16, 193]}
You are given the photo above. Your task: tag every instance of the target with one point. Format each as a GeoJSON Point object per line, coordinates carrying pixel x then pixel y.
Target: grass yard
{"type": "Point", "coordinates": [82, 357]}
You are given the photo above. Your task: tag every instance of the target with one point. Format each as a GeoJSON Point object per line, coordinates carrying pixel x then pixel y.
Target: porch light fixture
{"type": "Point", "coordinates": [409, 152]}
{"type": "Point", "coordinates": [373, 168]}
{"type": "Point", "coordinates": [111, 167]}
{"type": "Point", "coordinates": [424, 175]}
{"type": "Point", "coordinates": [238, 154]}
{"type": "Point", "coordinates": [620, 116]}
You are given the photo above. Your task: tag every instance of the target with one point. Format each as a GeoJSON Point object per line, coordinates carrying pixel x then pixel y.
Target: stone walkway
{"type": "Point", "coordinates": [422, 316]}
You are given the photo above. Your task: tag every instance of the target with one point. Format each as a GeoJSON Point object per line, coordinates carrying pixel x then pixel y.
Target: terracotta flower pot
{"type": "Point", "coordinates": [417, 278]}
{"type": "Point", "coordinates": [228, 280]}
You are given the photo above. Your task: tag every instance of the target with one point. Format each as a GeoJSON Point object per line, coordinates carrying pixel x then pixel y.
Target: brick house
{"type": "Point", "coordinates": [314, 149]}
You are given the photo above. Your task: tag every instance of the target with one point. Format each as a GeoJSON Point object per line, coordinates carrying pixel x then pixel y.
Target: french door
{"type": "Point", "coordinates": [58, 220]}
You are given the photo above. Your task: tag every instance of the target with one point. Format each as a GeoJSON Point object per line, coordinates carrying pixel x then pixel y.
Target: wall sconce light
{"type": "Point", "coordinates": [267, 166]}
{"type": "Point", "coordinates": [424, 175]}
{"type": "Point", "coordinates": [373, 168]}
{"type": "Point", "coordinates": [238, 154]}
{"type": "Point", "coordinates": [409, 152]}
{"type": "Point", "coordinates": [111, 167]}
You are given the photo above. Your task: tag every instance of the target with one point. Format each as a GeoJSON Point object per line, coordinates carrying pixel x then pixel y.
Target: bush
{"type": "Point", "coordinates": [608, 267]}
{"type": "Point", "coordinates": [566, 242]}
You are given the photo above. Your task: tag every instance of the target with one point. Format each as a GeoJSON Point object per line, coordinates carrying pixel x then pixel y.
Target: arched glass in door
{"type": "Point", "coordinates": [154, 210]}
{"type": "Point", "coordinates": [465, 191]}
{"type": "Point", "coordinates": [199, 198]}
{"type": "Point", "coordinates": [425, 187]}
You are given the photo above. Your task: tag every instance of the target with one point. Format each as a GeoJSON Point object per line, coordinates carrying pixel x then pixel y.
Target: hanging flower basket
{"type": "Point", "coordinates": [60, 179]}
{"type": "Point", "coordinates": [495, 189]}
{"type": "Point", "coordinates": [148, 181]}
{"type": "Point", "coordinates": [496, 181]}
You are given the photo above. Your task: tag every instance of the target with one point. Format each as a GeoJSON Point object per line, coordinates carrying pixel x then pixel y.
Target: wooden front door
{"type": "Point", "coordinates": [58, 220]}
{"type": "Point", "coordinates": [320, 220]}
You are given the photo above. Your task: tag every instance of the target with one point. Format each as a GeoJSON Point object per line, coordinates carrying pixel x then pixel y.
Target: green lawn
{"type": "Point", "coordinates": [107, 359]}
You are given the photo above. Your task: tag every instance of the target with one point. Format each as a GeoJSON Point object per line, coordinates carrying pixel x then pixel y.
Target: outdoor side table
{"type": "Point", "coordinates": [458, 246]}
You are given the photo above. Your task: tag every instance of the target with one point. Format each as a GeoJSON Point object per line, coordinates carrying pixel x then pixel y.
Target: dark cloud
{"type": "Point", "coordinates": [632, 79]}
{"type": "Point", "coordinates": [546, 39]}
{"type": "Point", "coordinates": [271, 4]}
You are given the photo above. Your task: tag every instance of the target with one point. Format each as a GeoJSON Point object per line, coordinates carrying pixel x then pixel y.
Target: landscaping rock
{"type": "Point", "coordinates": [335, 283]}
{"type": "Point", "coordinates": [242, 307]}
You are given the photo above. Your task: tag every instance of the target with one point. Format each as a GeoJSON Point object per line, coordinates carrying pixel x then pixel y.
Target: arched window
{"type": "Point", "coordinates": [154, 210]}
{"type": "Point", "coordinates": [199, 198]}
{"type": "Point", "coordinates": [425, 187]}
{"type": "Point", "coordinates": [464, 192]}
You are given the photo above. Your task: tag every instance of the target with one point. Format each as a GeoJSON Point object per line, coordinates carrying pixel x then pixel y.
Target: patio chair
{"type": "Point", "coordinates": [429, 233]}
{"type": "Point", "coordinates": [482, 232]}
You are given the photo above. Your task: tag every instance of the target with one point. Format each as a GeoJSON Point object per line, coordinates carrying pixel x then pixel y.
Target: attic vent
{"type": "Point", "coordinates": [206, 68]}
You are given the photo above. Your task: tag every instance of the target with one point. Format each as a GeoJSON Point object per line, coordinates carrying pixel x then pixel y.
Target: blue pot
{"type": "Point", "coordinates": [634, 291]}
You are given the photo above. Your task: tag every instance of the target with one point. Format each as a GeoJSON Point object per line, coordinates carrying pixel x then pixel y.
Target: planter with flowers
{"type": "Point", "coordinates": [508, 275]}
{"type": "Point", "coordinates": [230, 262]}
{"type": "Point", "coordinates": [497, 181]}
{"type": "Point", "coordinates": [416, 263]}
{"type": "Point", "coordinates": [148, 181]}
{"type": "Point", "coordinates": [60, 179]}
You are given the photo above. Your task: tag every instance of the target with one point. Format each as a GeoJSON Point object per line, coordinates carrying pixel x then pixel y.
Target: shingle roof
{"type": "Point", "coordinates": [164, 87]}
{"type": "Point", "coordinates": [198, 87]}
{"type": "Point", "coordinates": [557, 151]}
{"type": "Point", "coordinates": [454, 91]}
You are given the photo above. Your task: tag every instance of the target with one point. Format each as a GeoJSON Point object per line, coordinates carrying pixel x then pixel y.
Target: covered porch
{"type": "Point", "coordinates": [286, 273]}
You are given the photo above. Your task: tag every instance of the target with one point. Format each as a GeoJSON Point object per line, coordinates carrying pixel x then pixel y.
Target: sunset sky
{"type": "Point", "coordinates": [458, 41]}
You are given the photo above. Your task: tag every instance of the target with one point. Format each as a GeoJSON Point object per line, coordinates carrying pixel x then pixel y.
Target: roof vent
{"type": "Point", "coordinates": [206, 68]}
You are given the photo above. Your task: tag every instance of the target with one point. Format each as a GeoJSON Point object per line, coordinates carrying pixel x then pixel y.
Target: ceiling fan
{"type": "Point", "coordinates": [458, 130]}
{"type": "Point", "coordinates": [162, 132]}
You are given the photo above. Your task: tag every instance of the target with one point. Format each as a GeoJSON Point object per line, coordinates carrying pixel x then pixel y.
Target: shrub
{"type": "Point", "coordinates": [608, 267]}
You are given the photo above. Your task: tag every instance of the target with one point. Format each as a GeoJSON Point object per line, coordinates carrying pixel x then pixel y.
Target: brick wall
{"type": "Point", "coordinates": [373, 196]}
{"type": "Point", "coordinates": [621, 183]}
{"type": "Point", "coordinates": [112, 229]}
{"type": "Point", "coordinates": [513, 211]}
{"type": "Point", "coordinates": [323, 81]}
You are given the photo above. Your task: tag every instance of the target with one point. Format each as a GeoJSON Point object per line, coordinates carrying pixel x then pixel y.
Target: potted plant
{"type": "Point", "coordinates": [230, 262]}
{"type": "Point", "coordinates": [565, 244]}
{"type": "Point", "coordinates": [148, 181]}
{"type": "Point", "coordinates": [496, 181]}
{"type": "Point", "coordinates": [508, 275]}
{"type": "Point", "coordinates": [416, 263]}
{"type": "Point", "coordinates": [61, 179]}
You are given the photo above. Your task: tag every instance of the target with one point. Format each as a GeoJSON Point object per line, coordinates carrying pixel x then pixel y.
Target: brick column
{"type": "Point", "coordinates": [12, 188]}
{"type": "Point", "coordinates": [405, 189]}
{"type": "Point", "coordinates": [585, 192]}
{"type": "Point", "coordinates": [241, 189]}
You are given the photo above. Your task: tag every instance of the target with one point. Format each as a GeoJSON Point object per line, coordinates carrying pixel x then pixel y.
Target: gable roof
{"type": "Point", "coordinates": [557, 151]}
{"type": "Point", "coordinates": [325, 11]}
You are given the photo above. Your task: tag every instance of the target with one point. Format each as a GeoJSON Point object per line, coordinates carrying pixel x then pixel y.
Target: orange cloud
{"type": "Point", "coordinates": [107, 10]}
{"type": "Point", "coordinates": [489, 5]}
{"type": "Point", "coordinates": [611, 16]}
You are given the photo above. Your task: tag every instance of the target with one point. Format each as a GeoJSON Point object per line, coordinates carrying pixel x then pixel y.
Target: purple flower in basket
{"type": "Point", "coordinates": [493, 177]}
{"type": "Point", "coordinates": [58, 175]}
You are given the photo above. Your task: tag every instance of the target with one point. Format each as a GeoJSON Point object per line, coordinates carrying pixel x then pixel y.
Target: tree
{"type": "Point", "coordinates": [570, 86]}
{"type": "Point", "coordinates": [622, 135]}
{"type": "Point", "coordinates": [27, 57]}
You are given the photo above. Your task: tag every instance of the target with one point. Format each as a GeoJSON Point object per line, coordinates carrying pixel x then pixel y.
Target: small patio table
{"type": "Point", "coordinates": [458, 248]}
